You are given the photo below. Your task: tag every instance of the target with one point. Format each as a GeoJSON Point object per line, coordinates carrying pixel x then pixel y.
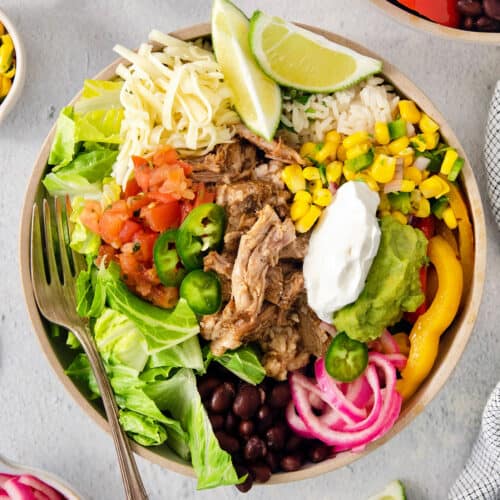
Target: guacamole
{"type": "Point", "coordinates": [392, 286]}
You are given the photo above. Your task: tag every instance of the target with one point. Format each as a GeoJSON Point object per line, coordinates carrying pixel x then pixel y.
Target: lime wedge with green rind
{"type": "Point", "coordinates": [256, 97]}
{"type": "Point", "coordinates": [297, 58]}
{"type": "Point", "coordinates": [395, 490]}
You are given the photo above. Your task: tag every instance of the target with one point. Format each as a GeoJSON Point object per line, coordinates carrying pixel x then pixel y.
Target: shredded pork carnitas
{"type": "Point", "coordinates": [260, 267]}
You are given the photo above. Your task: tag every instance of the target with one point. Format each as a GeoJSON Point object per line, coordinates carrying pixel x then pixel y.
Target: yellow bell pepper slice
{"type": "Point", "coordinates": [425, 334]}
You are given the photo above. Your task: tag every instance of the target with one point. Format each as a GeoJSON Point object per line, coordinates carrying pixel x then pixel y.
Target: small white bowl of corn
{"type": "Point", "coordinates": [12, 66]}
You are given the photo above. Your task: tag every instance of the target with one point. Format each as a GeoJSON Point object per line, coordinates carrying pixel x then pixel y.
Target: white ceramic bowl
{"type": "Point", "coordinates": [17, 85]}
{"type": "Point", "coordinates": [8, 467]}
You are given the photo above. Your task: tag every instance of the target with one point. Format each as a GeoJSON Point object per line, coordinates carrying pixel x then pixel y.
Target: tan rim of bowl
{"type": "Point", "coordinates": [419, 23]}
{"type": "Point", "coordinates": [452, 345]}
{"type": "Point", "coordinates": [18, 83]}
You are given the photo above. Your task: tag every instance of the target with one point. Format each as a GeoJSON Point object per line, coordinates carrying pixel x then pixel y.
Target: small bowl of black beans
{"type": "Point", "coordinates": [250, 424]}
{"type": "Point", "coordinates": [467, 20]}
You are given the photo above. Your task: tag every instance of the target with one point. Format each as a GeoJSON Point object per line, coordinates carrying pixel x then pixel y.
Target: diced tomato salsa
{"type": "Point", "coordinates": [157, 198]}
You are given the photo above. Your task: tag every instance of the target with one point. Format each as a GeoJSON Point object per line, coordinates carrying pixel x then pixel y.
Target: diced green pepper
{"type": "Point", "coordinates": [397, 129]}
{"type": "Point", "coordinates": [201, 231]}
{"type": "Point", "coordinates": [400, 201]}
{"type": "Point", "coordinates": [360, 162]}
{"type": "Point", "coordinates": [167, 261]}
{"type": "Point", "coordinates": [202, 291]}
{"type": "Point", "coordinates": [456, 169]}
{"type": "Point", "coordinates": [439, 206]}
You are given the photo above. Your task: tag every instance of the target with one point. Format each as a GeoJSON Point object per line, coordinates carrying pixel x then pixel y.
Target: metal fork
{"type": "Point", "coordinates": [56, 299]}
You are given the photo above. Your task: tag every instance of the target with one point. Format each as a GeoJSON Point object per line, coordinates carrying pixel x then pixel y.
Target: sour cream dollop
{"type": "Point", "coordinates": [341, 249]}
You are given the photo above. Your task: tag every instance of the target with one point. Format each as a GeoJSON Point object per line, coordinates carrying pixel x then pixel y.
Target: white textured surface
{"type": "Point", "coordinates": [69, 40]}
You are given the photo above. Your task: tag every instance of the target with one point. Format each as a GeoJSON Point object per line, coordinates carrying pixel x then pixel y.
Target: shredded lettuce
{"type": "Point", "coordinates": [144, 430]}
{"type": "Point", "coordinates": [179, 395]}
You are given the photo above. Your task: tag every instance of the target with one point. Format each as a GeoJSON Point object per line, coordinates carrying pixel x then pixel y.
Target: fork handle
{"type": "Point", "coordinates": [132, 482]}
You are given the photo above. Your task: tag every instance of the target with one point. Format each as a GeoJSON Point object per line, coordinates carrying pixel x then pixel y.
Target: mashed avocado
{"type": "Point", "coordinates": [392, 286]}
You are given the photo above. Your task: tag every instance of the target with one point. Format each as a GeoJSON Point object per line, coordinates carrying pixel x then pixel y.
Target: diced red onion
{"type": "Point", "coordinates": [4, 478]}
{"type": "Point", "coordinates": [398, 360]}
{"type": "Point", "coordinates": [421, 162]}
{"type": "Point", "coordinates": [333, 186]}
{"type": "Point", "coordinates": [410, 129]}
{"type": "Point", "coordinates": [36, 484]}
{"type": "Point", "coordinates": [393, 186]}
{"type": "Point", "coordinates": [17, 490]}
{"type": "Point", "coordinates": [40, 496]}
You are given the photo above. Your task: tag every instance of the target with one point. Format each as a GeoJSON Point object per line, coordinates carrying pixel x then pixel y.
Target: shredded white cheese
{"type": "Point", "coordinates": [176, 96]}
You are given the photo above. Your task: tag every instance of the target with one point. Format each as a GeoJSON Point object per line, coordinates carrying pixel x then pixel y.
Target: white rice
{"type": "Point", "coordinates": [346, 111]}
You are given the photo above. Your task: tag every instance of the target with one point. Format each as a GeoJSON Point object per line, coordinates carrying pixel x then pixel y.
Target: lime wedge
{"type": "Point", "coordinates": [393, 491]}
{"type": "Point", "coordinates": [256, 97]}
{"type": "Point", "coordinates": [297, 58]}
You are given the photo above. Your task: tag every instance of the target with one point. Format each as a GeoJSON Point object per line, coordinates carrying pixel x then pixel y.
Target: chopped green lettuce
{"type": "Point", "coordinates": [63, 146]}
{"type": "Point", "coordinates": [243, 362]}
{"type": "Point", "coordinates": [186, 355]}
{"type": "Point", "coordinates": [72, 342]}
{"type": "Point", "coordinates": [102, 125]}
{"type": "Point", "coordinates": [99, 94]}
{"type": "Point", "coordinates": [83, 240]}
{"type": "Point", "coordinates": [144, 430]}
{"type": "Point", "coordinates": [61, 184]}
{"type": "Point", "coordinates": [93, 165]}
{"type": "Point", "coordinates": [179, 395]}
{"type": "Point", "coordinates": [80, 371]}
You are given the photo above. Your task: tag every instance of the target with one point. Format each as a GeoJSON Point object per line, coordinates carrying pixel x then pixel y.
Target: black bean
{"type": "Point", "coordinates": [264, 419]}
{"type": "Point", "coordinates": [487, 24]}
{"type": "Point", "coordinates": [275, 437]}
{"type": "Point", "coordinates": [262, 393]}
{"type": "Point", "coordinates": [247, 402]}
{"type": "Point", "coordinates": [245, 486]}
{"type": "Point", "coordinates": [280, 395]}
{"type": "Point", "coordinates": [294, 443]}
{"type": "Point", "coordinates": [206, 387]}
{"type": "Point", "coordinates": [222, 398]}
{"type": "Point", "coordinates": [469, 23]}
{"type": "Point", "coordinates": [260, 471]}
{"type": "Point", "coordinates": [227, 443]}
{"type": "Point", "coordinates": [217, 421]}
{"type": "Point", "coordinates": [492, 8]}
{"type": "Point", "coordinates": [318, 453]}
{"type": "Point", "coordinates": [290, 463]}
{"type": "Point", "coordinates": [471, 8]}
{"type": "Point", "coordinates": [246, 428]}
{"type": "Point", "coordinates": [255, 448]}
{"type": "Point", "coordinates": [231, 422]}
{"type": "Point", "coordinates": [273, 460]}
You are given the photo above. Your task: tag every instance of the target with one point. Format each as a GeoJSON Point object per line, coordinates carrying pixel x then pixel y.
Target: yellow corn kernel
{"type": "Point", "coordinates": [5, 86]}
{"type": "Point", "coordinates": [399, 216]}
{"type": "Point", "coordinates": [427, 125]}
{"type": "Point", "coordinates": [408, 155]}
{"type": "Point", "coordinates": [334, 171]}
{"type": "Point", "coordinates": [431, 140]}
{"type": "Point", "coordinates": [407, 186]}
{"type": "Point", "coordinates": [409, 111]}
{"type": "Point", "coordinates": [370, 181]}
{"type": "Point", "coordinates": [306, 222]}
{"type": "Point", "coordinates": [348, 174]}
{"type": "Point", "coordinates": [341, 153]}
{"type": "Point", "coordinates": [293, 178]}
{"type": "Point", "coordinates": [2, 29]}
{"type": "Point", "coordinates": [303, 196]}
{"type": "Point", "coordinates": [383, 168]}
{"type": "Point", "coordinates": [448, 161]}
{"type": "Point", "coordinates": [307, 149]}
{"type": "Point", "coordinates": [382, 135]}
{"type": "Point", "coordinates": [357, 150]}
{"type": "Point", "coordinates": [449, 218]}
{"type": "Point", "coordinates": [424, 208]}
{"type": "Point", "coordinates": [395, 147]}
{"type": "Point", "coordinates": [384, 205]}
{"type": "Point", "coordinates": [425, 174]}
{"type": "Point", "coordinates": [433, 187]}
{"type": "Point", "coordinates": [322, 197]}
{"type": "Point", "coordinates": [314, 185]}
{"type": "Point", "coordinates": [328, 150]}
{"type": "Point", "coordinates": [12, 72]}
{"type": "Point", "coordinates": [333, 136]}
{"type": "Point", "coordinates": [381, 150]}
{"type": "Point", "coordinates": [419, 143]}
{"type": "Point", "coordinates": [299, 209]}
{"type": "Point", "coordinates": [311, 173]}
{"type": "Point", "coordinates": [412, 174]}
{"type": "Point", "coordinates": [356, 138]}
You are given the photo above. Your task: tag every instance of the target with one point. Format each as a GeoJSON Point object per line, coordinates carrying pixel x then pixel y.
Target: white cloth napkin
{"type": "Point", "coordinates": [480, 479]}
{"type": "Point", "coordinates": [492, 153]}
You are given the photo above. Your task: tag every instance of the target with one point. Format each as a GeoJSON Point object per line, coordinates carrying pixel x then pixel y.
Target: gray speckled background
{"type": "Point", "coordinates": [69, 40]}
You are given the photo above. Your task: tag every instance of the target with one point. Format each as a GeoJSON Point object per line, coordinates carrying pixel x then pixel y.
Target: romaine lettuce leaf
{"type": "Point", "coordinates": [179, 395]}
{"type": "Point", "coordinates": [119, 341]}
{"type": "Point", "coordinates": [144, 430]}
{"type": "Point", "coordinates": [62, 184]}
{"type": "Point", "coordinates": [63, 146]}
{"type": "Point", "coordinates": [185, 355]}
{"type": "Point", "coordinates": [72, 342]}
{"type": "Point", "coordinates": [161, 328]}
{"type": "Point", "coordinates": [83, 240]}
{"type": "Point", "coordinates": [93, 165]}
{"type": "Point", "coordinates": [99, 94]}
{"type": "Point", "coordinates": [102, 125]}
{"type": "Point", "coordinates": [243, 362]}
{"type": "Point", "coordinates": [80, 370]}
